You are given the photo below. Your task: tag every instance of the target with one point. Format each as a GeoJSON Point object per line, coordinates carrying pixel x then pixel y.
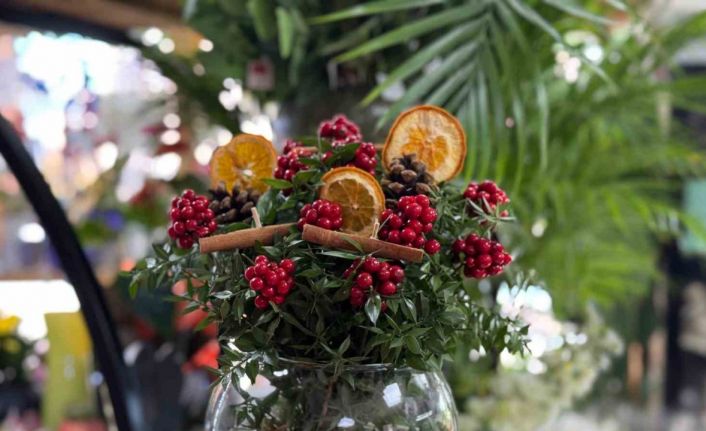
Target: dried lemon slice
{"type": "Point", "coordinates": [245, 161]}
{"type": "Point", "coordinates": [360, 196]}
{"type": "Point", "coordinates": [434, 135]}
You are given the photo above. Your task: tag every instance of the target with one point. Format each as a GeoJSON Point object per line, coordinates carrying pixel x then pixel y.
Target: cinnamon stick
{"type": "Point", "coordinates": [243, 238]}
{"type": "Point", "coordinates": [380, 248]}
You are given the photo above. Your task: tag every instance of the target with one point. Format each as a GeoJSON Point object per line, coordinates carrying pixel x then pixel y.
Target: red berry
{"type": "Point", "coordinates": [192, 225]}
{"type": "Point", "coordinates": [261, 302]}
{"type": "Point", "coordinates": [364, 280]}
{"type": "Point", "coordinates": [179, 228]}
{"type": "Point", "coordinates": [470, 262]}
{"type": "Point", "coordinates": [257, 284]}
{"type": "Point", "coordinates": [278, 299]}
{"type": "Point", "coordinates": [311, 216]}
{"type": "Point", "coordinates": [186, 213]}
{"type": "Point", "coordinates": [432, 246]}
{"type": "Point", "coordinates": [174, 214]}
{"type": "Point", "coordinates": [212, 226]}
{"type": "Point", "coordinates": [340, 130]}
{"type": "Point", "coordinates": [283, 287]}
{"type": "Point", "coordinates": [287, 265]}
{"type": "Point", "coordinates": [415, 225]}
{"type": "Point", "coordinates": [428, 215]}
{"type": "Point", "coordinates": [397, 274]}
{"type": "Point", "coordinates": [185, 242]}
{"type": "Point", "coordinates": [272, 278]}
{"type": "Point", "coordinates": [188, 194]}
{"type": "Point", "coordinates": [383, 274]}
{"type": "Point", "coordinates": [483, 246]}
{"type": "Point", "coordinates": [394, 237]}
{"type": "Point", "coordinates": [422, 200]}
{"type": "Point", "coordinates": [413, 211]}
{"type": "Point", "coordinates": [458, 246]}
{"type": "Point", "coordinates": [478, 273]}
{"type": "Point", "coordinates": [371, 264]}
{"type": "Point", "coordinates": [269, 293]}
{"type": "Point", "coordinates": [324, 223]}
{"type": "Point", "coordinates": [387, 288]}
{"type": "Point", "coordinates": [419, 242]}
{"type": "Point", "coordinates": [395, 222]}
{"type": "Point", "coordinates": [261, 269]}
{"type": "Point", "coordinates": [407, 235]}
{"type": "Point", "coordinates": [484, 261]}
{"type": "Point", "coordinates": [357, 297]}
{"type": "Point", "coordinates": [250, 273]}
{"type": "Point", "coordinates": [172, 234]}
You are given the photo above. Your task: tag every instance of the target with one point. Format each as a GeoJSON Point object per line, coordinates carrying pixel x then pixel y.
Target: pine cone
{"type": "Point", "coordinates": [233, 206]}
{"type": "Point", "coordinates": [407, 176]}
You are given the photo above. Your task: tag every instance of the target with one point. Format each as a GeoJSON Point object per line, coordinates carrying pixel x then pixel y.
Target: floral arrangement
{"type": "Point", "coordinates": [341, 252]}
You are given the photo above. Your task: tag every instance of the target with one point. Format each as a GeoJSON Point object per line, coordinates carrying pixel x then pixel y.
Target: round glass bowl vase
{"type": "Point", "coordinates": [298, 396]}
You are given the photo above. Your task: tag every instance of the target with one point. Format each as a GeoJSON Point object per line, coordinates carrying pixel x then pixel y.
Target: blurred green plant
{"type": "Point", "coordinates": [567, 108]}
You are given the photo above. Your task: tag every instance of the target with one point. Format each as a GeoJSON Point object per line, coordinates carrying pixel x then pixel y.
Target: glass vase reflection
{"type": "Point", "coordinates": [300, 396]}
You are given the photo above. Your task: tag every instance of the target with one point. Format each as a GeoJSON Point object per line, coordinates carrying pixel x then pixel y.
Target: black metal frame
{"type": "Point", "coordinates": [108, 351]}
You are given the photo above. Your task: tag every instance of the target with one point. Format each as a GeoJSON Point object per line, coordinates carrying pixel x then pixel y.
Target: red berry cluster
{"type": "Point", "coordinates": [191, 218]}
{"type": "Point", "coordinates": [365, 157]}
{"type": "Point", "coordinates": [288, 163]}
{"type": "Point", "coordinates": [486, 195]}
{"type": "Point", "coordinates": [340, 130]}
{"type": "Point", "coordinates": [414, 218]}
{"type": "Point", "coordinates": [322, 213]}
{"type": "Point", "coordinates": [271, 280]}
{"type": "Point", "coordinates": [373, 274]}
{"type": "Point", "coordinates": [483, 257]}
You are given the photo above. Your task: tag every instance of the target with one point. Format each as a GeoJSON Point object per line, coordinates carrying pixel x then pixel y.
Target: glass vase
{"type": "Point", "coordinates": [300, 396]}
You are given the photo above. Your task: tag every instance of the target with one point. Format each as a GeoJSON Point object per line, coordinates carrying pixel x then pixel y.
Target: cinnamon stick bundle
{"type": "Point", "coordinates": [243, 238]}
{"type": "Point", "coordinates": [340, 240]}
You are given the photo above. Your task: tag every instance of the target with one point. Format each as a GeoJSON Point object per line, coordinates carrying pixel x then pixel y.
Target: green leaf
{"type": "Point", "coordinates": [413, 344]}
{"type": "Point", "coordinates": [343, 348]}
{"type": "Point", "coordinates": [372, 307]}
{"type": "Point", "coordinates": [263, 16]}
{"type": "Point", "coordinates": [371, 8]}
{"type": "Point", "coordinates": [422, 57]}
{"type": "Point", "coordinates": [285, 31]}
{"type": "Point", "coordinates": [340, 254]}
{"type": "Point", "coordinates": [414, 29]}
{"type": "Point", "coordinates": [535, 18]}
{"type": "Point", "coordinates": [579, 12]}
{"type": "Point", "coordinates": [277, 184]}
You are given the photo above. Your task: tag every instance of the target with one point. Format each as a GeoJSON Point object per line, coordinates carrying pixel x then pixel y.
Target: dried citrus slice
{"type": "Point", "coordinates": [434, 135]}
{"type": "Point", "coordinates": [360, 196]}
{"type": "Point", "coordinates": [245, 161]}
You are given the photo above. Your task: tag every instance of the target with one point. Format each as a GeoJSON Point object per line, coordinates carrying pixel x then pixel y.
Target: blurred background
{"type": "Point", "coordinates": [591, 114]}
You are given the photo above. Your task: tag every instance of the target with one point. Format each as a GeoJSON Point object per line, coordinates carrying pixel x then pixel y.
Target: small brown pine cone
{"type": "Point", "coordinates": [407, 176]}
{"type": "Point", "coordinates": [232, 206]}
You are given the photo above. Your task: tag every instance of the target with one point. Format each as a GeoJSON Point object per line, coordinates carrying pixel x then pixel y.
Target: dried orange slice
{"type": "Point", "coordinates": [360, 196]}
{"type": "Point", "coordinates": [245, 161]}
{"type": "Point", "coordinates": [434, 135]}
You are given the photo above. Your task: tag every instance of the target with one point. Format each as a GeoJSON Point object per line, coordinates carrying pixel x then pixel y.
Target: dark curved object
{"type": "Point", "coordinates": [108, 352]}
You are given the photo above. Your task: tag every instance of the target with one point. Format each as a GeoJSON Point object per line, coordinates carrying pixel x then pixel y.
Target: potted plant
{"type": "Point", "coordinates": [341, 275]}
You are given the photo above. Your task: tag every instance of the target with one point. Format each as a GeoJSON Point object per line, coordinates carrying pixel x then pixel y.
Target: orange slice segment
{"type": "Point", "coordinates": [434, 135]}
{"type": "Point", "coordinates": [245, 161]}
{"type": "Point", "coordinates": [360, 196]}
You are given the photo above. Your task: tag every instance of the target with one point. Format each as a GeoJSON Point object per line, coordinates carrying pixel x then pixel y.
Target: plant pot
{"type": "Point", "coordinates": [301, 396]}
